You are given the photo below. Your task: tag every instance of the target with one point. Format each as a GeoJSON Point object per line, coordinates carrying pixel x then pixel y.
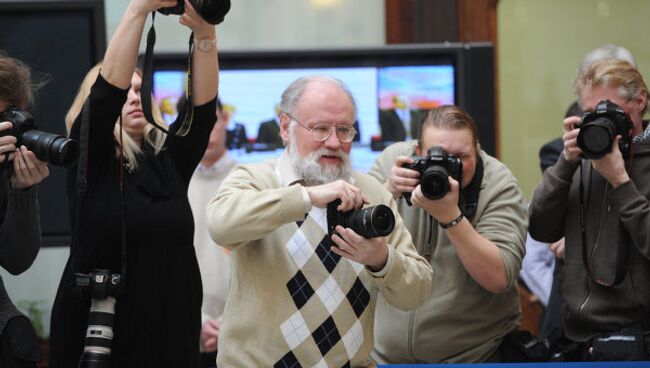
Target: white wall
{"type": "Point", "coordinates": [250, 25]}
{"type": "Point", "coordinates": [274, 24]}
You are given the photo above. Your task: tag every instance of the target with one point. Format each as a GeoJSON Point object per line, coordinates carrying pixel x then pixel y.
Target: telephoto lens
{"type": "Point", "coordinates": [99, 335]}
{"type": "Point", "coordinates": [52, 148]}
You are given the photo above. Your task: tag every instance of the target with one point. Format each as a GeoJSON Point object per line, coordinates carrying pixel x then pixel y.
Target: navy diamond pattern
{"type": "Point", "coordinates": [358, 297]}
{"type": "Point", "coordinates": [325, 254]}
{"type": "Point", "coordinates": [300, 289]}
{"type": "Point", "coordinates": [326, 335]}
{"type": "Point", "coordinates": [346, 365]}
{"type": "Point", "coordinates": [288, 361]}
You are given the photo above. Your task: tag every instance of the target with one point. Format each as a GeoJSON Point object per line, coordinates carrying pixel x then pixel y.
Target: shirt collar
{"type": "Point", "coordinates": [284, 170]}
{"type": "Point", "coordinates": [220, 166]}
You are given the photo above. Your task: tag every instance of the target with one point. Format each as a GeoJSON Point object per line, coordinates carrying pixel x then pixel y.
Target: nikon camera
{"type": "Point", "coordinates": [599, 128]}
{"type": "Point", "coordinates": [48, 147]}
{"type": "Point", "coordinates": [435, 170]}
{"type": "Point", "coordinates": [369, 222]}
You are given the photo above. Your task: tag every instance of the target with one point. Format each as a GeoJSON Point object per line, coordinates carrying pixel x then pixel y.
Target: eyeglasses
{"type": "Point", "coordinates": [322, 131]}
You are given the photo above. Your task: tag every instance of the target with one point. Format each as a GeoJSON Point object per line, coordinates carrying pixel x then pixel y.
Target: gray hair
{"type": "Point", "coordinates": [605, 52]}
{"type": "Point", "coordinates": [292, 94]}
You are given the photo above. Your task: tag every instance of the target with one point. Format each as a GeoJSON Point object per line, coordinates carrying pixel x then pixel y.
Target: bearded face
{"type": "Point", "coordinates": [310, 168]}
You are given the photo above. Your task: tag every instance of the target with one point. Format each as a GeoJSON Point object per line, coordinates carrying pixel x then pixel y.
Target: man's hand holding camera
{"type": "Point", "coordinates": [401, 179]}
{"type": "Point", "coordinates": [371, 252]}
{"type": "Point", "coordinates": [350, 196]}
{"type": "Point", "coordinates": [445, 209]}
{"type": "Point", "coordinates": [612, 166]}
{"type": "Point", "coordinates": [571, 152]}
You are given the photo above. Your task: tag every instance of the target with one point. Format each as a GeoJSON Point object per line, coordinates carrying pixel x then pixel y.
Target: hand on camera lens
{"type": "Point", "coordinates": [444, 209]}
{"type": "Point", "coordinates": [28, 170]}
{"type": "Point", "coordinates": [371, 252]}
{"type": "Point", "coordinates": [195, 22]}
{"type": "Point", "coordinates": [612, 166]}
{"type": "Point", "coordinates": [350, 196]}
{"type": "Point", "coordinates": [571, 150]}
{"type": "Point", "coordinates": [402, 180]}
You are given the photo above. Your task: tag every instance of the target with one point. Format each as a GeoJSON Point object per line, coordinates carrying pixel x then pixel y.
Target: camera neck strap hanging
{"type": "Point", "coordinates": [622, 247]}
{"type": "Point", "coordinates": [80, 190]}
{"type": "Point", "coordinates": [186, 115]}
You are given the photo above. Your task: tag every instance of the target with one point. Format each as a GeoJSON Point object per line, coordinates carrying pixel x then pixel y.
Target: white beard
{"type": "Point", "coordinates": [312, 171]}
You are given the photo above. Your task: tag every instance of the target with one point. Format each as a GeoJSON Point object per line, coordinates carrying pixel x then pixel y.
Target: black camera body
{"type": "Point", "coordinates": [213, 11]}
{"type": "Point", "coordinates": [103, 287]}
{"type": "Point", "coordinates": [599, 128]}
{"type": "Point", "coordinates": [435, 170]}
{"type": "Point", "coordinates": [369, 222]}
{"type": "Point", "coordinates": [48, 147]}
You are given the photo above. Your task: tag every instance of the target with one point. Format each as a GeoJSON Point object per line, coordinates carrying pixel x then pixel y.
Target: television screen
{"type": "Point", "coordinates": [251, 96]}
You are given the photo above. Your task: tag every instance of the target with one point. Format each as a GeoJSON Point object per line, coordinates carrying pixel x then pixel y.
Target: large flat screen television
{"type": "Point", "coordinates": [60, 40]}
{"type": "Point", "coordinates": [393, 86]}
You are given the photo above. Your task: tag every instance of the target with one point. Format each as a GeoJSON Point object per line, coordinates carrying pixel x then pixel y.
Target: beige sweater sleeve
{"type": "Point", "coordinates": [249, 205]}
{"type": "Point", "coordinates": [407, 281]}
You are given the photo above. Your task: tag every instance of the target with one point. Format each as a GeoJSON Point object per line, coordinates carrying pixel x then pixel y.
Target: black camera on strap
{"type": "Point", "coordinates": [102, 287]}
{"type": "Point", "coordinates": [213, 11]}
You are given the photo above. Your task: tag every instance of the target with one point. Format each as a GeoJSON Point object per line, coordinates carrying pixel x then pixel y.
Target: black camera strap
{"type": "Point", "coordinates": [622, 247]}
{"type": "Point", "coordinates": [186, 116]}
{"type": "Point", "coordinates": [80, 190]}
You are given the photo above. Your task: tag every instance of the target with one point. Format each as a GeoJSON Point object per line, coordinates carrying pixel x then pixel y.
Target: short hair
{"type": "Point", "coordinates": [449, 117]}
{"type": "Point", "coordinates": [612, 73]}
{"type": "Point", "coordinates": [605, 52]}
{"type": "Point", "coordinates": [16, 85]}
{"type": "Point", "coordinates": [292, 94]}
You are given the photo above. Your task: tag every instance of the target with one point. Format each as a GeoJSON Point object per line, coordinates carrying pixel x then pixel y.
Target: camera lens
{"type": "Point", "coordinates": [371, 222]}
{"type": "Point", "coordinates": [51, 148]}
{"type": "Point", "coordinates": [435, 182]}
{"type": "Point", "coordinates": [595, 138]}
{"type": "Point", "coordinates": [99, 335]}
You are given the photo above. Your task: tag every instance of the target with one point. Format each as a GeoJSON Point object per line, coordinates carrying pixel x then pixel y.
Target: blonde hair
{"type": "Point", "coordinates": [612, 73]}
{"type": "Point", "coordinates": [152, 136]}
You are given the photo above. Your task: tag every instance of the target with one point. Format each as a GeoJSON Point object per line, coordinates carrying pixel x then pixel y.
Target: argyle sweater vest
{"type": "Point", "coordinates": [330, 296]}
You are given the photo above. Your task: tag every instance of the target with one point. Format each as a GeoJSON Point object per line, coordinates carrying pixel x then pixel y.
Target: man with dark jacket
{"type": "Point", "coordinates": [600, 206]}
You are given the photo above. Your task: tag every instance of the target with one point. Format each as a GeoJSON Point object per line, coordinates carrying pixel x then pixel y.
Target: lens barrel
{"type": "Point", "coordinates": [435, 182]}
{"type": "Point", "coordinates": [51, 148]}
{"type": "Point", "coordinates": [371, 222]}
{"type": "Point", "coordinates": [99, 335]}
{"type": "Point", "coordinates": [596, 138]}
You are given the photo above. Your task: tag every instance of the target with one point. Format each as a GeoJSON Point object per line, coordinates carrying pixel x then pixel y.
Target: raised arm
{"type": "Point", "coordinates": [122, 52]}
{"type": "Point", "coordinates": [204, 59]}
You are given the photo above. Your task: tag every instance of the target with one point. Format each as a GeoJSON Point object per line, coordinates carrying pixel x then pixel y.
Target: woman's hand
{"type": "Point", "coordinates": [194, 21]}
{"type": "Point", "coordinates": [28, 170]}
{"type": "Point", "coordinates": [147, 6]}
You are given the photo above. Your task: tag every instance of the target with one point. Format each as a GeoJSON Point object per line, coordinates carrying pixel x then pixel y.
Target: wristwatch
{"type": "Point", "coordinates": [205, 44]}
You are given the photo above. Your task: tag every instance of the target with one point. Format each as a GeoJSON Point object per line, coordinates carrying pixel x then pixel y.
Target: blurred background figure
{"type": "Point", "coordinates": [214, 261]}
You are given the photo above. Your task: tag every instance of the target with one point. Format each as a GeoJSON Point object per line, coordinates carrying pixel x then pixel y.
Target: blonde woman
{"type": "Point", "coordinates": [158, 314]}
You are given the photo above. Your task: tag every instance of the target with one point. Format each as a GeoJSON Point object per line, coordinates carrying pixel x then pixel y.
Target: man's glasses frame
{"type": "Point", "coordinates": [322, 131]}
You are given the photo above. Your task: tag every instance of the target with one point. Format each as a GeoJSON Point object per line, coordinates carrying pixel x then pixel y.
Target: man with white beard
{"type": "Point", "coordinates": [299, 297]}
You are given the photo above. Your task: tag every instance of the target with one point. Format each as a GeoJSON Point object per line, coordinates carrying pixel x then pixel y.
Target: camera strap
{"type": "Point", "coordinates": [622, 247]}
{"type": "Point", "coordinates": [186, 115]}
{"type": "Point", "coordinates": [469, 195]}
{"type": "Point", "coordinates": [80, 191]}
